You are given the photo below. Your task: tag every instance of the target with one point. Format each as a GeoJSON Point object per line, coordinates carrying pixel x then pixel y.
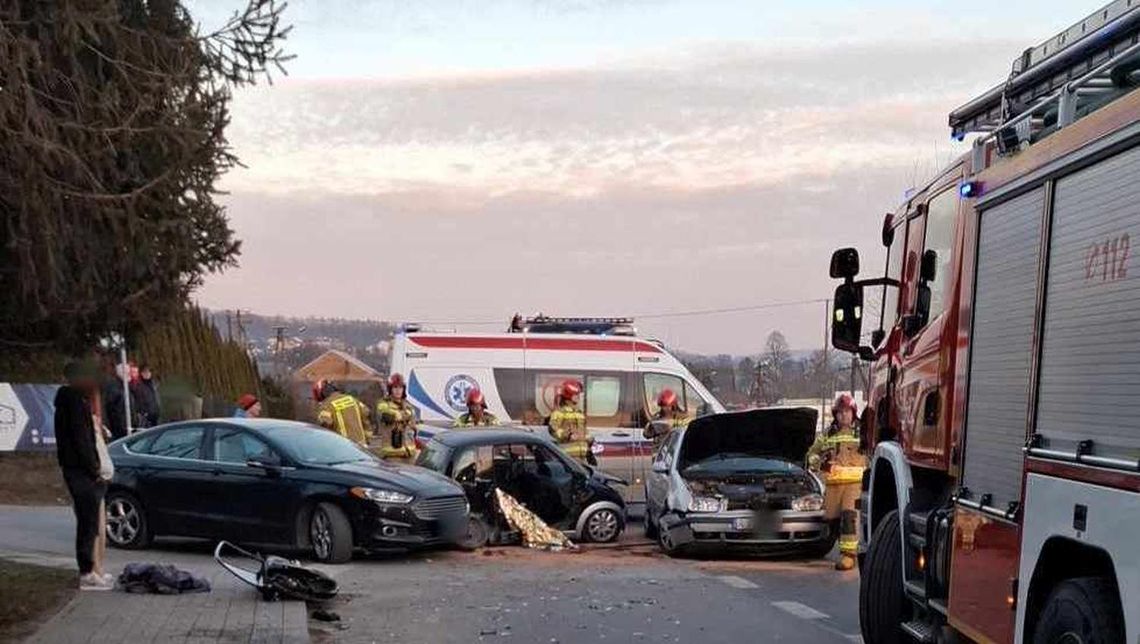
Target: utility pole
{"type": "Point", "coordinates": [826, 356]}
{"type": "Point", "coordinates": [854, 366]}
{"type": "Point", "coordinates": [229, 327]}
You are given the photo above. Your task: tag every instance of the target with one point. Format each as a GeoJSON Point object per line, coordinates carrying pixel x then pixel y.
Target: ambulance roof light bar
{"type": "Point", "coordinates": [580, 325]}
{"type": "Point", "coordinates": [1042, 71]}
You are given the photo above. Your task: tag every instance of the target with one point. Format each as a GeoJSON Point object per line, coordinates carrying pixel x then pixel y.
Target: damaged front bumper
{"type": "Point", "coordinates": [775, 530]}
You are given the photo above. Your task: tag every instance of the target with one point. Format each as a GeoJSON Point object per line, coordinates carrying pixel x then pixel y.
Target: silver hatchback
{"type": "Point", "coordinates": [737, 480]}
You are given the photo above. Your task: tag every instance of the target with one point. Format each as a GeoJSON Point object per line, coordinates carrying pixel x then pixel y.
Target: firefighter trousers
{"type": "Point", "coordinates": [839, 508]}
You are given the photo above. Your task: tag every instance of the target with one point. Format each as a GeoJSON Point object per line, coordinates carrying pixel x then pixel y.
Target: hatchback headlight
{"type": "Point", "coordinates": [381, 496]}
{"type": "Point", "coordinates": [808, 503]}
{"type": "Point", "coordinates": [704, 504]}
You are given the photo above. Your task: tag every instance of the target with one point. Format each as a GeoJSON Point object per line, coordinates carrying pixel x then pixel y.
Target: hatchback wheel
{"type": "Point", "coordinates": [126, 522]}
{"type": "Point", "coordinates": [603, 525]}
{"type": "Point", "coordinates": [330, 534]}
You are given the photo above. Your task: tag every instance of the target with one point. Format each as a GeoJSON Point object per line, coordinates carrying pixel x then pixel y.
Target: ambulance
{"type": "Point", "coordinates": [520, 371]}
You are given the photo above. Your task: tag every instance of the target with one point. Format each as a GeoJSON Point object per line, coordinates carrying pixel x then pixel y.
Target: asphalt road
{"type": "Point", "coordinates": [623, 593]}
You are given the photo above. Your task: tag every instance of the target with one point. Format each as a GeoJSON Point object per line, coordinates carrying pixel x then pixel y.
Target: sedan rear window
{"type": "Point", "coordinates": [177, 442]}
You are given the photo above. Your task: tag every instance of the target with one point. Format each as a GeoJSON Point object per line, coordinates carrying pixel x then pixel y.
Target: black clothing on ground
{"type": "Point", "coordinates": [75, 432]}
{"type": "Point", "coordinates": [86, 500]}
{"type": "Point", "coordinates": [161, 579]}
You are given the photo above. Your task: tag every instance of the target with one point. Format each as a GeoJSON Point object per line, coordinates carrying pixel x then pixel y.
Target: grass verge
{"type": "Point", "coordinates": [31, 478]}
{"type": "Point", "coordinates": [29, 596]}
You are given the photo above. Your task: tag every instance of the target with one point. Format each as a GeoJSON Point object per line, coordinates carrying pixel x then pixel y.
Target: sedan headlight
{"type": "Point", "coordinates": [808, 503]}
{"type": "Point", "coordinates": [381, 496]}
{"type": "Point", "coordinates": [704, 504]}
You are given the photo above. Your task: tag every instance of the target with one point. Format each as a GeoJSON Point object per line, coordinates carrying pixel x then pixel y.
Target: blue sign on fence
{"type": "Point", "coordinates": [27, 415]}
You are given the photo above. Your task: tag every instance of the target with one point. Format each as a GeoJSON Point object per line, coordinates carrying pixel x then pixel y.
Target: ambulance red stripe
{"type": "Point", "coordinates": [533, 344]}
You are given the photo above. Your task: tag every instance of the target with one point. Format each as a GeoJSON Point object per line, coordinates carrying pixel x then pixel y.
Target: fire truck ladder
{"type": "Point", "coordinates": [1057, 82]}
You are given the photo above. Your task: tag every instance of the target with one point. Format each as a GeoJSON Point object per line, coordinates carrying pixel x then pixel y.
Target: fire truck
{"type": "Point", "coordinates": [1001, 502]}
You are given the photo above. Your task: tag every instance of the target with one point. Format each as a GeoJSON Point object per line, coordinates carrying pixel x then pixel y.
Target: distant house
{"type": "Point", "coordinates": [340, 368]}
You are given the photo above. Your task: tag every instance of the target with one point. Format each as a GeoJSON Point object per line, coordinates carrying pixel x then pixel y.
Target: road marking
{"type": "Point", "coordinates": [737, 582]}
{"type": "Point", "coordinates": [800, 610]}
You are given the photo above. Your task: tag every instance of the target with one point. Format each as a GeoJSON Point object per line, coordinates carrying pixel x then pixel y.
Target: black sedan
{"type": "Point", "coordinates": [563, 493]}
{"type": "Point", "coordinates": [275, 482]}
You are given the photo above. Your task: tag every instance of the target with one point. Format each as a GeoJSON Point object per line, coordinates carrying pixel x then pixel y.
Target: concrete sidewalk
{"type": "Point", "coordinates": [231, 612]}
{"type": "Point", "coordinates": [222, 615]}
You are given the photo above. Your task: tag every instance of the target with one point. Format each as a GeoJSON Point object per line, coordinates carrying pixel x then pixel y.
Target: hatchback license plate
{"type": "Point", "coordinates": [742, 523]}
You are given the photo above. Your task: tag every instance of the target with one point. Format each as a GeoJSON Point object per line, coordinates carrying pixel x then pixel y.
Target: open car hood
{"type": "Point", "coordinates": [785, 433]}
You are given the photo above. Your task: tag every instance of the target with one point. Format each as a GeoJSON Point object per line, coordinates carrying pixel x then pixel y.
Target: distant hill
{"type": "Point", "coordinates": [305, 338]}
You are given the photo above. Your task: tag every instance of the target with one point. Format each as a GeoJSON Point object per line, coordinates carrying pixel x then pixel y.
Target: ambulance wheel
{"type": "Point", "coordinates": [330, 534]}
{"type": "Point", "coordinates": [1085, 610]}
{"type": "Point", "coordinates": [882, 604]}
{"type": "Point", "coordinates": [476, 535]}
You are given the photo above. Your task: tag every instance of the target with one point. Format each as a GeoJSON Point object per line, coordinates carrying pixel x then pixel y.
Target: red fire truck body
{"type": "Point", "coordinates": [1002, 498]}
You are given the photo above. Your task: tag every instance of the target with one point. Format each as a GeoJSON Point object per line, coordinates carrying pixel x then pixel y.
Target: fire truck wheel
{"type": "Point", "coordinates": [882, 604]}
{"type": "Point", "coordinates": [1081, 610]}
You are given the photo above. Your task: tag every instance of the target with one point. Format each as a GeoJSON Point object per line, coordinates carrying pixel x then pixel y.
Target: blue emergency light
{"type": "Point", "coordinates": [969, 189]}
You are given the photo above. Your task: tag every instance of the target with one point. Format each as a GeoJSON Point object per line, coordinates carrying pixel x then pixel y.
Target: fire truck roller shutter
{"type": "Point", "coordinates": [1090, 355]}
{"type": "Point", "coordinates": [1005, 301]}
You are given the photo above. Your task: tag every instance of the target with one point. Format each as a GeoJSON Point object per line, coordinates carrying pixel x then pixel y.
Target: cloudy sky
{"type": "Point", "coordinates": [453, 161]}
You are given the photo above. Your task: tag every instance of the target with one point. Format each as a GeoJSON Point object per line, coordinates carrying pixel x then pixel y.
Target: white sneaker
{"type": "Point", "coordinates": [91, 581]}
{"type": "Point", "coordinates": [109, 579]}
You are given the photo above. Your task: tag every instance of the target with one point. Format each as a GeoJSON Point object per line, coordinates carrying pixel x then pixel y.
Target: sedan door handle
{"type": "Point", "coordinates": [622, 434]}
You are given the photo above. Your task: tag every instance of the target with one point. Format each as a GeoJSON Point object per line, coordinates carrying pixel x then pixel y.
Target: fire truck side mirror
{"type": "Point", "coordinates": [888, 230]}
{"type": "Point", "coordinates": [845, 263]}
{"type": "Point", "coordinates": [847, 317]}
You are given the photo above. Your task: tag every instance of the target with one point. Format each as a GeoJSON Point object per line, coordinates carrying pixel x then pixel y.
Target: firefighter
{"type": "Point", "coordinates": [341, 412]}
{"type": "Point", "coordinates": [397, 419]}
{"type": "Point", "coordinates": [567, 424]}
{"type": "Point", "coordinates": [477, 414]}
{"type": "Point", "coordinates": [669, 417]}
{"type": "Point", "coordinates": [837, 453]}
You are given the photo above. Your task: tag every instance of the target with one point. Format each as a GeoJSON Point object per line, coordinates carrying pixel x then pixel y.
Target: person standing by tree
{"type": "Point", "coordinates": [112, 400]}
{"type": "Point", "coordinates": [87, 469]}
{"type": "Point", "coordinates": [144, 395]}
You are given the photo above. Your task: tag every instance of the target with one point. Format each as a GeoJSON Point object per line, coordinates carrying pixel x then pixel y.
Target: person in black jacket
{"type": "Point", "coordinates": [145, 403]}
{"type": "Point", "coordinates": [77, 449]}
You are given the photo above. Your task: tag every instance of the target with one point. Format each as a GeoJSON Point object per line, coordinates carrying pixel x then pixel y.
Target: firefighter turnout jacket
{"type": "Point", "coordinates": [397, 419]}
{"type": "Point", "coordinates": [653, 432]}
{"type": "Point", "coordinates": [345, 415]}
{"type": "Point", "coordinates": [567, 425]}
{"type": "Point", "coordinates": [837, 453]}
{"type": "Point", "coordinates": [468, 420]}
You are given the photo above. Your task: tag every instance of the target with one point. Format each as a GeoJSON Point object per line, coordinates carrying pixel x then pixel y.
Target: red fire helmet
{"type": "Point", "coordinates": [667, 398]}
{"type": "Point", "coordinates": [570, 389]}
{"type": "Point", "coordinates": [475, 397]}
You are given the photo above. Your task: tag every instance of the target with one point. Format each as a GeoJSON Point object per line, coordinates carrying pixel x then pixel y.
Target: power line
{"type": "Point", "coordinates": [732, 309]}
{"type": "Point", "coordinates": [661, 314]}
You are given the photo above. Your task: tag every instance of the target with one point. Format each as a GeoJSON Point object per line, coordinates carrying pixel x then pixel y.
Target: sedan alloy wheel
{"type": "Point", "coordinates": [603, 525]}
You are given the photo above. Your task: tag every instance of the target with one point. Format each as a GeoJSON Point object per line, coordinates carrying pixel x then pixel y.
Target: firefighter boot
{"type": "Point", "coordinates": [848, 541]}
